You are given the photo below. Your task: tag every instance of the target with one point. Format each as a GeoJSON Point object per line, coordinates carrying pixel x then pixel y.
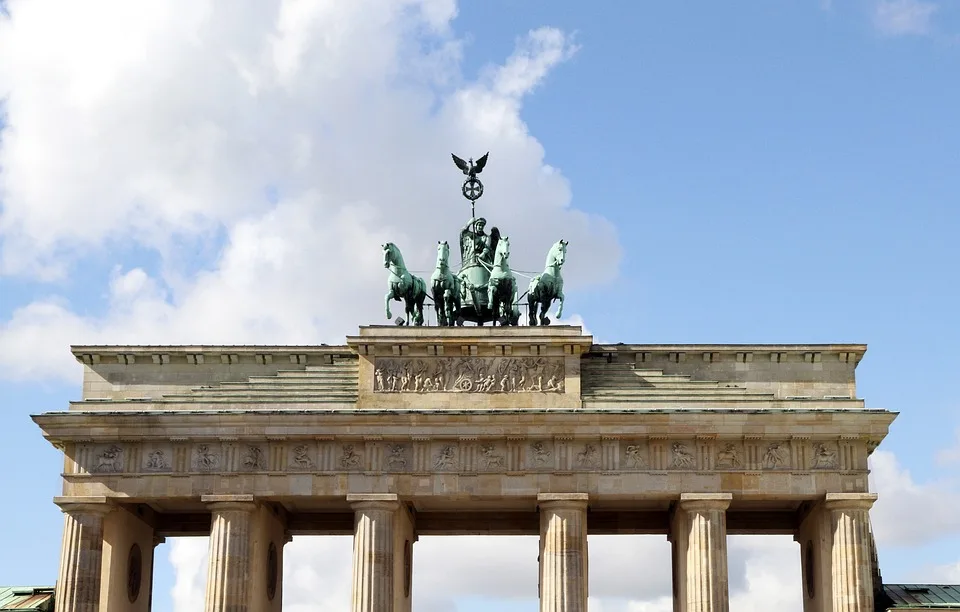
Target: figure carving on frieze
{"type": "Point", "coordinates": [254, 459]}
{"type": "Point", "coordinates": [729, 457]}
{"type": "Point", "coordinates": [207, 460]}
{"type": "Point", "coordinates": [396, 459]}
{"type": "Point", "coordinates": [589, 456]}
{"type": "Point", "coordinates": [110, 460]}
{"type": "Point", "coordinates": [634, 456]}
{"type": "Point", "coordinates": [541, 453]}
{"type": "Point", "coordinates": [823, 458]}
{"type": "Point", "coordinates": [157, 460]}
{"type": "Point", "coordinates": [349, 459]}
{"type": "Point", "coordinates": [489, 458]}
{"type": "Point", "coordinates": [446, 459]}
{"type": "Point", "coordinates": [301, 457]}
{"type": "Point", "coordinates": [682, 458]}
{"type": "Point", "coordinates": [469, 375]}
{"type": "Point", "coordinates": [775, 456]}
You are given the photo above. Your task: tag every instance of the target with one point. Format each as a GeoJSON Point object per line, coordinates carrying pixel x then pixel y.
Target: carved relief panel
{"type": "Point", "coordinates": [469, 375]}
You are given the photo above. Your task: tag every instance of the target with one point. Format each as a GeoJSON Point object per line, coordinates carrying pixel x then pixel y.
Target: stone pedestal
{"type": "Point", "coordinates": [563, 552]}
{"type": "Point", "coordinates": [78, 584]}
{"type": "Point", "coordinates": [374, 560]}
{"type": "Point", "coordinates": [228, 574]}
{"type": "Point", "coordinates": [699, 538]}
{"type": "Point", "coordinates": [850, 553]}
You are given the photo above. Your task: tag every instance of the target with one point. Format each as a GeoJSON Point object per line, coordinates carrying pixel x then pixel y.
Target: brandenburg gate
{"type": "Point", "coordinates": [406, 431]}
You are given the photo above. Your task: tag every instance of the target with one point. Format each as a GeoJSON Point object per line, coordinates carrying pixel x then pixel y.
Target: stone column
{"type": "Point", "coordinates": [850, 553]}
{"type": "Point", "coordinates": [563, 552]}
{"type": "Point", "coordinates": [373, 551]}
{"type": "Point", "coordinates": [228, 572]}
{"type": "Point", "coordinates": [699, 535]}
{"type": "Point", "coordinates": [78, 584]}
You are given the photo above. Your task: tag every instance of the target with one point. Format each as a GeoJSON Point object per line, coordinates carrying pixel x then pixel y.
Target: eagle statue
{"type": "Point", "coordinates": [470, 168]}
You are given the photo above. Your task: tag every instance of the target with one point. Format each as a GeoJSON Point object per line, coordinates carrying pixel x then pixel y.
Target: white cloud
{"type": "Point", "coordinates": [904, 17]}
{"type": "Point", "coordinates": [167, 129]}
{"type": "Point", "coordinates": [900, 498]}
{"type": "Point", "coordinates": [627, 573]}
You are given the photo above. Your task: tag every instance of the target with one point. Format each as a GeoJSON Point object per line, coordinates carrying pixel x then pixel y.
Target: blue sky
{"type": "Point", "coordinates": [751, 172]}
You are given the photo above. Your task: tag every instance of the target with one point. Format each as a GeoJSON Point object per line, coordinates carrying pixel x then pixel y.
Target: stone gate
{"type": "Point", "coordinates": [405, 431]}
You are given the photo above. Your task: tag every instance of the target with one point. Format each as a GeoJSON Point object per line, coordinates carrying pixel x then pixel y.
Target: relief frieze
{"type": "Point", "coordinates": [300, 458]}
{"type": "Point", "coordinates": [776, 456]}
{"type": "Point", "coordinates": [469, 375]}
{"type": "Point", "coordinates": [484, 455]}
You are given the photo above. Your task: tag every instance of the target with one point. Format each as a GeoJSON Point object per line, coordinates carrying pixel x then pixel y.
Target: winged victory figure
{"type": "Point", "coordinates": [470, 168]}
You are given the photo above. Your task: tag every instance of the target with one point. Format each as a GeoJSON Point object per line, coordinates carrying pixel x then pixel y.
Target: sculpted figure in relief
{"type": "Point", "coordinates": [682, 458]}
{"type": "Point", "coordinates": [157, 461]}
{"type": "Point", "coordinates": [823, 458]}
{"type": "Point", "coordinates": [396, 458]}
{"type": "Point", "coordinates": [541, 453]}
{"type": "Point", "coordinates": [489, 458]}
{"type": "Point", "coordinates": [206, 459]}
{"type": "Point", "coordinates": [469, 375]}
{"type": "Point", "coordinates": [445, 459]}
{"type": "Point", "coordinates": [110, 460]}
{"type": "Point", "coordinates": [729, 457]}
{"type": "Point", "coordinates": [301, 457]}
{"type": "Point", "coordinates": [589, 456]}
{"type": "Point", "coordinates": [254, 459]}
{"type": "Point", "coordinates": [775, 456]}
{"type": "Point", "coordinates": [634, 456]}
{"type": "Point", "coordinates": [349, 459]}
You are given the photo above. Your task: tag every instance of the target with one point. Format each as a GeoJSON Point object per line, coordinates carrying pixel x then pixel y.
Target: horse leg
{"type": "Point", "coordinates": [418, 317]}
{"type": "Point", "coordinates": [386, 301]}
{"type": "Point", "coordinates": [439, 299]}
{"type": "Point", "coordinates": [560, 307]}
{"type": "Point", "coordinates": [531, 310]}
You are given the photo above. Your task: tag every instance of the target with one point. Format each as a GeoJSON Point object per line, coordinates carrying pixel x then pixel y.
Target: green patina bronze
{"type": "Point", "coordinates": [547, 286]}
{"type": "Point", "coordinates": [403, 286]}
{"type": "Point", "coordinates": [502, 287]}
{"type": "Point", "coordinates": [445, 287]}
{"type": "Point", "coordinates": [485, 288]}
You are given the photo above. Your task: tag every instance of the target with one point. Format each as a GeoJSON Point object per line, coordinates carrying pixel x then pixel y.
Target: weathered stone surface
{"type": "Point", "coordinates": [78, 585]}
{"type": "Point", "coordinates": [466, 430]}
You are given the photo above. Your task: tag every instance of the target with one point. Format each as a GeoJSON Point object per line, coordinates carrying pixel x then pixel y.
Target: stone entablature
{"type": "Point", "coordinates": [488, 368]}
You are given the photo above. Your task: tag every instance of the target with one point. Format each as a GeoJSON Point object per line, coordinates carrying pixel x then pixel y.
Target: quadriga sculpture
{"type": "Point", "coordinates": [403, 285]}
{"type": "Point", "coordinates": [546, 287]}
{"type": "Point", "coordinates": [445, 288]}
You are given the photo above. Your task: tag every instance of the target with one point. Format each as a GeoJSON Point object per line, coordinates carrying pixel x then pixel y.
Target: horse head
{"type": "Point", "coordinates": [392, 256]}
{"type": "Point", "coordinates": [559, 252]}
{"type": "Point", "coordinates": [502, 256]}
{"type": "Point", "coordinates": [443, 253]}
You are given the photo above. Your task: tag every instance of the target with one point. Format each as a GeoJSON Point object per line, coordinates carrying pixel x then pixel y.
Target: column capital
{"type": "Point", "coordinates": [705, 501]}
{"type": "Point", "coordinates": [92, 504]}
{"type": "Point", "coordinates": [373, 501]}
{"type": "Point", "coordinates": [849, 501]}
{"type": "Point", "coordinates": [560, 500]}
{"type": "Point", "coordinates": [243, 503]}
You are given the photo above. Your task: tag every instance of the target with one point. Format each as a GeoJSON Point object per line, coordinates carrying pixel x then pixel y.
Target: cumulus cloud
{"type": "Point", "coordinates": [627, 573]}
{"type": "Point", "coordinates": [900, 497]}
{"type": "Point", "coordinates": [904, 17]}
{"type": "Point", "coordinates": [262, 152]}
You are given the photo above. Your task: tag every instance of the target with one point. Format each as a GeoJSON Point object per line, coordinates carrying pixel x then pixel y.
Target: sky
{"type": "Point", "coordinates": [741, 172]}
